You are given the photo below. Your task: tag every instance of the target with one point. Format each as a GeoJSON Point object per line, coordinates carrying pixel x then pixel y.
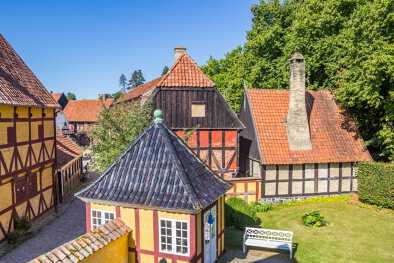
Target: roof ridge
{"type": "Point", "coordinates": [171, 69]}
{"type": "Point", "coordinates": [120, 157]}
{"type": "Point", "coordinates": [178, 162]}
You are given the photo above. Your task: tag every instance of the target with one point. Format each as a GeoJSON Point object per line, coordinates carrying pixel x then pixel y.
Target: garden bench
{"type": "Point", "coordinates": [268, 238]}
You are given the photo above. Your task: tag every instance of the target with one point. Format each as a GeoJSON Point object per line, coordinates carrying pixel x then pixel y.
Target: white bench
{"type": "Point", "coordinates": [268, 238]}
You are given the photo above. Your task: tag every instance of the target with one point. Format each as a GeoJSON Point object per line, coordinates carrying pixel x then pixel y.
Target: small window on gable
{"type": "Point", "coordinates": [198, 109]}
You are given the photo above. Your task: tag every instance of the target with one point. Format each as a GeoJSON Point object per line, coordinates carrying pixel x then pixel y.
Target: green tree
{"type": "Point", "coordinates": [165, 70]}
{"type": "Point", "coordinates": [117, 127]}
{"type": "Point", "coordinates": [348, 48]}
{"type": "Point", "coordinates": [123, 82]}
{"type": "Point", "coordinates": [71, 96]}
{"type": "Point", "coordinates": [117, 95]}
{"type": "Point", "coordinates": [137, 78]}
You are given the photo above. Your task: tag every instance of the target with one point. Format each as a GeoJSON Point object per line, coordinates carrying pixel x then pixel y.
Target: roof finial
{"type": "Point", "coordinates": [157, 116]}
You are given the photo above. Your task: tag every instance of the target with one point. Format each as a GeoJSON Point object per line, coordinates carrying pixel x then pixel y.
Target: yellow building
{"type": "Point", "coordinates": [27, 142]}
{"type": "Point", "coordinates": [172, 202]}
{"type": "Point", "coordinates": [107, 243]}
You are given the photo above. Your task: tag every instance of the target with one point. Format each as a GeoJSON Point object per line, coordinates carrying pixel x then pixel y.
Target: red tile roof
{"type": "Point", "coordinates": [85, 110]}
{"type": "Point", "coordinates": [333, 134]}
{"type": "Point", "coordinates": [140, 90]}
{"type": "Point", "coordinates": [79, 249]}
{"type": "Point", "coordinates": [66, 149]}
{"type": "Point", "coordinates": [18, 84]}
{"type": "Point", "coordinates": [56, 96]}
{"type": "Point", "coordinates": [185, 73]}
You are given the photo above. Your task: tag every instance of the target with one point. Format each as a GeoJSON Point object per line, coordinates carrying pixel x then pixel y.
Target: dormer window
{"type": "Point", "coordinates": [198, 110]}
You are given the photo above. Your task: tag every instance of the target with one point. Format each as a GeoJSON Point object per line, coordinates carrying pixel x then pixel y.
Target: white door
{"type": "Point", "coordinates": [210, 235]}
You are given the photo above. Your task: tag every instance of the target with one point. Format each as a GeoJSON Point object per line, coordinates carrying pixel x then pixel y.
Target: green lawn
{"type": "Point", "coordinates": [356, 232]}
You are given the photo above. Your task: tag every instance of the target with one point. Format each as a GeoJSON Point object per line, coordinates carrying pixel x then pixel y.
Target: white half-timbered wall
{"type": "Point", "coordinates": [293, 181]}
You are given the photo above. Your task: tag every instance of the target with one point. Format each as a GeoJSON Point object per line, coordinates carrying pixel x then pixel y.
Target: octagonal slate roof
{"type": "Point", "coordinates": [157, 171]}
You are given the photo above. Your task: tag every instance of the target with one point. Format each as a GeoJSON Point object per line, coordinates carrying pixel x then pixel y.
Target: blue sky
{"type": "Point", "coordinates": [84, 46]}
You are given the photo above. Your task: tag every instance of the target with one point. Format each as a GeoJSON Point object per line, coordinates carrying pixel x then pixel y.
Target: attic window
{"type": "Point", "coordinates": [198, 109]}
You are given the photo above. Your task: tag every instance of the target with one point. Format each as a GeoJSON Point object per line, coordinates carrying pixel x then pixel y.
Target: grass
{"type": "Point", "coordinates": [355, 233]}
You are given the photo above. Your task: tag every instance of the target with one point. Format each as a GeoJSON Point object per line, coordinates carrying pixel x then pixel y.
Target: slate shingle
{"type": "Point", "coordinates": [158, 170]}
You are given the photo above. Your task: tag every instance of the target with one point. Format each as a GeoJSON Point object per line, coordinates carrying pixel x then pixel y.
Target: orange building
{"type": "Point", "coordinates": [27, 142]}
{"type": "Point", "coordinates": [82, 115]}
{"type": "Point", "coordinates": [171, 200]}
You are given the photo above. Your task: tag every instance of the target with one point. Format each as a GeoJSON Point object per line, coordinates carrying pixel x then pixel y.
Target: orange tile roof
{"type": "Point", "coordinates": [18, 84]}
{"type": "Point", "coordinates": [66, 149]}
{"type": "Point", "coordinates": [82, 247]}
{"type": "Point", "coordinates": [333, 134]}
{"type": "Point", "coordinates": [185, 73]}
{"type": "Point", "coordinates": [56, 96]}
{"type": "Point", "coordinates": [85, 110]}
{"type": "Point", "coordinates": [140, 90]}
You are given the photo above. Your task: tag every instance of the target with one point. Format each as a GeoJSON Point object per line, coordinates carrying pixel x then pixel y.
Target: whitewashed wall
{"type": "Point", "coordinates": [308, 179]}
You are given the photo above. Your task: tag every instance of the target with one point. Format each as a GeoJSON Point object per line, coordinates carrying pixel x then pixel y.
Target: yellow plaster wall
{"type": "Point", "coordinates": [107, 208]}
{"type": "Point", "coordinates": [34, 129]}
{"type": "Point", "coordinates": [147, 258]}
{"type": "Point", "coordinates": [36, 113]}
{"type": "Point", "coordinates": [115, 252]}
{"type": "Point", "coordinates": [146, 229]}
{"type": "Point", "coordinates": [23, 112]}
{"type": "Point", "coordinates": [171, 215]}
{"type": "Point", "coordinates": [48, 129]}
{"type": "Point", "coordinates": [46, 177]}
{"type": "Point", "coordinates": [128, 216]}
{"type": "Point", "coordinates": [5, 196]}
{"type": "Point", "coordinates": [6, 111]}
{"type": "Point", "coordinates": [3, 131]}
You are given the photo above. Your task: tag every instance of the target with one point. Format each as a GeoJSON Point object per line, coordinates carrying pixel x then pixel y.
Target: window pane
{"type": "Point", "coordinates": [184, 226]}
{"type": "Point", "coordinates": [178, 224]}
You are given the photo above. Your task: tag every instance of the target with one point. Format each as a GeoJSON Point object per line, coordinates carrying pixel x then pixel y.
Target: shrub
{"type": "Point", "coordinates": [240, 214]}
{"type": "Point", "coordinates": [314, 219]}
{"type": "Point", "coordinates": [21, 231]}
{"type": "Point", "coordinates": [260, 207]}
{"type": "Point", "coordinates": [22, 224]}
{"type": "Point", "coordinates": [376, 184]}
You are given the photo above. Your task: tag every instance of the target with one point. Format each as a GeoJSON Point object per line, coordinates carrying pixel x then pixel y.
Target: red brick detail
{"type": "Point", "coordinates": [117, 211]}
{"type": "Point", "coordinates": [88, 218]}
{"type": "Point", "coordinates": [204, 138]}
{"type": "Point", "coordinates": [193, 237]}
{"type": "Point", "coordinates": [231, 138]}
{"type": "Point", "coordinates": [217, 138]}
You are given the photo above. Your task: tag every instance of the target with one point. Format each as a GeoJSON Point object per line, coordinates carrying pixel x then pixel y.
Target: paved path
{"type": "Point", "coordinates": [69, 225]}
{"type": "Point", "coordinates": [255, 256]}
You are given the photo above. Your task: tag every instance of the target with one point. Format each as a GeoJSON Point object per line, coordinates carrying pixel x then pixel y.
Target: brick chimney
{"type": "Point", "coordinates": [178, 51]}
{"type": "Point", "coordinates": [297, 119]}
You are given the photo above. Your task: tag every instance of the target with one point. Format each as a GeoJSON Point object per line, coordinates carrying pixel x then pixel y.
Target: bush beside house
{"type": "Point", "coordinates": [376, 184]}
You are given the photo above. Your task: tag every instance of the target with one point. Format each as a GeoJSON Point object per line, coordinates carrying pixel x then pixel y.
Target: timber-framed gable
{"type": "Point", "coordinates": [27, 142]}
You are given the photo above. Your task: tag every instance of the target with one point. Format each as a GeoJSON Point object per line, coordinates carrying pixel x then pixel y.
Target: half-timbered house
{"type": "Point", "coordinates": [196, 111]}
{"type": "Point", "coordinates": [298, 143]}
{"type": "Point", "coordinates": [171, 200]}
{"type": "Point", "coordinates": [27, 142]}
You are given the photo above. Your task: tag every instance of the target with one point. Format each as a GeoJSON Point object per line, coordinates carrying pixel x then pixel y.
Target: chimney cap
{"type": "Point", "coordinates": [180, 48]}
{"type": "Point", "coordinates": [297, 56]}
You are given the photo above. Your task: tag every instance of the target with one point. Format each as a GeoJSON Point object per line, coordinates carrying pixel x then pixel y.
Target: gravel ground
{"type": "Point", "coordinates": [65, 227]}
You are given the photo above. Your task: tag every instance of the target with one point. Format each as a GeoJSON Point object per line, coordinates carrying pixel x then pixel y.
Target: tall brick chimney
{"type": "Point", "coordinates": [178, 51]}
{"type": "Point", "coordinates": [297, 119]}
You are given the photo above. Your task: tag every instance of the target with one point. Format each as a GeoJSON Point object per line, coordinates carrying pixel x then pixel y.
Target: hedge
{"type": "Point", "coordinates": [376, 184]}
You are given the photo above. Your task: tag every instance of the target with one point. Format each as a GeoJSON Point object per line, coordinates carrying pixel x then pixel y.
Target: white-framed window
{"type": "Point", "coordinates": [198, 109]}
{"type": "Point", "coordinates": [174, 236]}
{"type": "Point", "coordinates": [100, 218]}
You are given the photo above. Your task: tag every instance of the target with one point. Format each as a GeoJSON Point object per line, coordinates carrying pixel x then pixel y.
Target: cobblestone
{"type": "Point", "coordinates": [63, 228]}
